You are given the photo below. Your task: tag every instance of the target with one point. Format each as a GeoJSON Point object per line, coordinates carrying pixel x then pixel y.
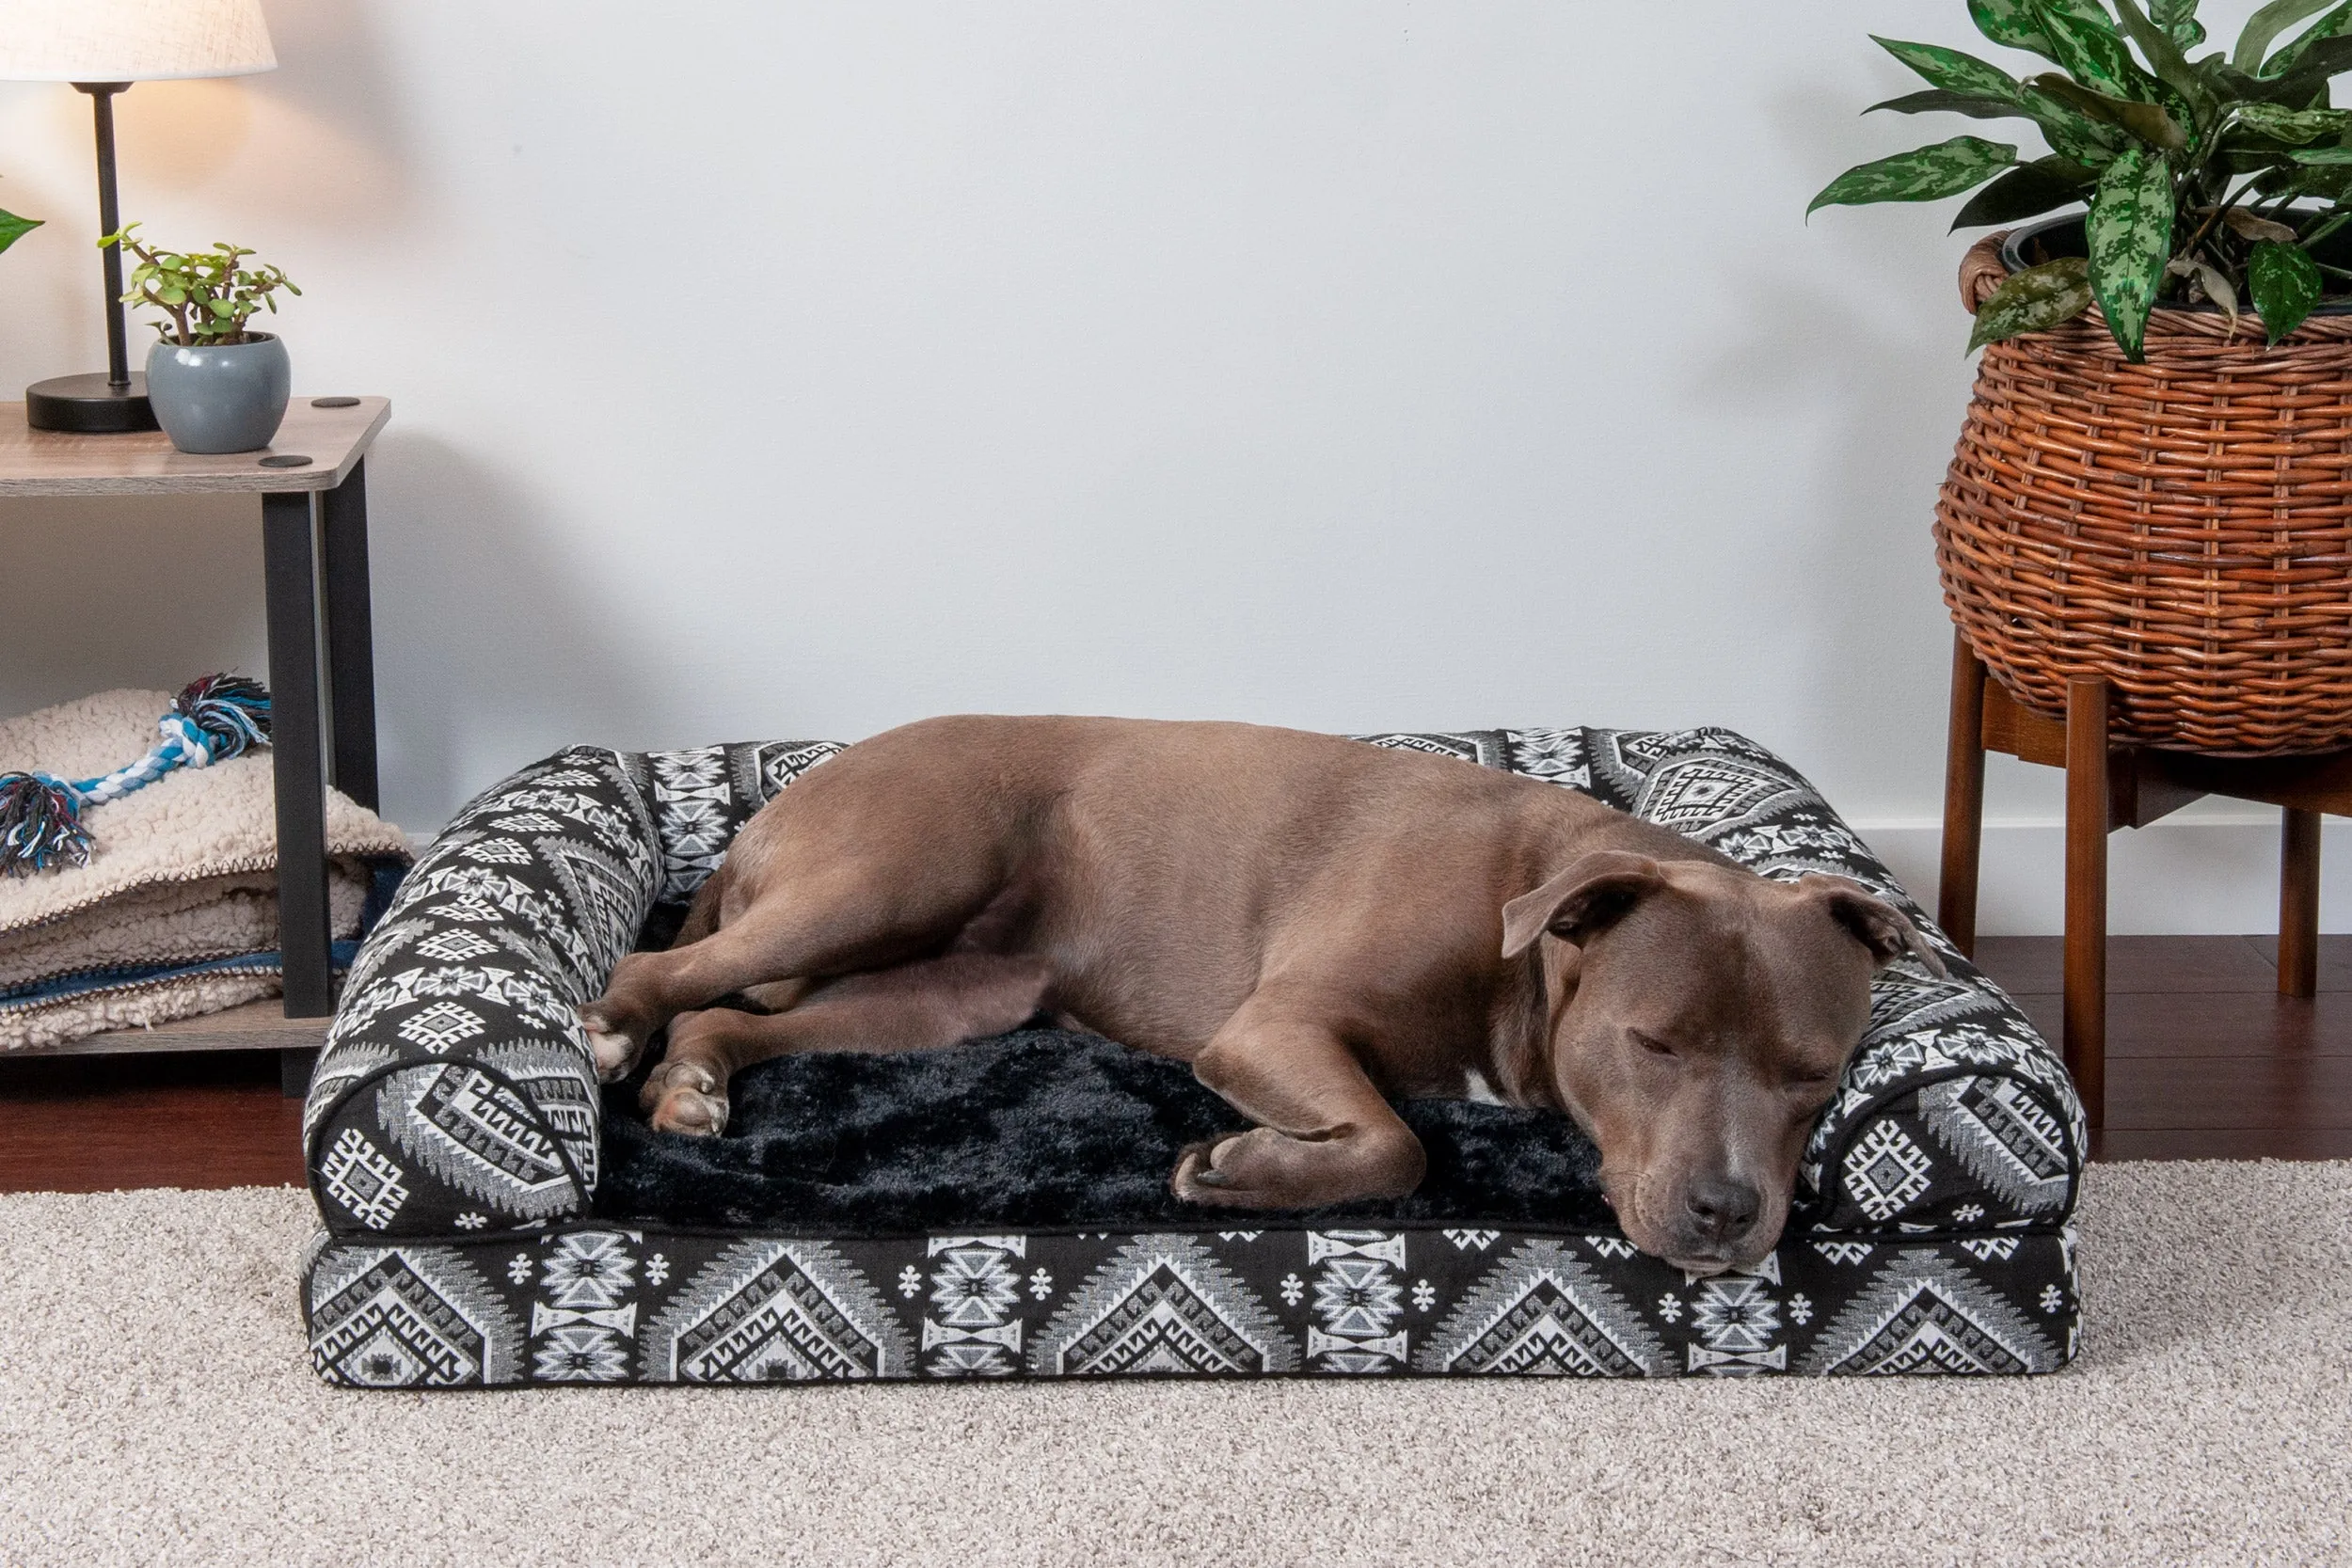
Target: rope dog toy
{"type": "Point", "coordinates": [212, 720]}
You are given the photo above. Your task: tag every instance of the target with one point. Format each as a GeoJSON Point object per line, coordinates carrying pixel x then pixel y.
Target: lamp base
{"type": "Point", "coordinates": [89, 406]}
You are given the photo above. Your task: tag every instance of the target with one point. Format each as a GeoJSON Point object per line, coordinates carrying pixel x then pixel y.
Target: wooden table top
{"type": "Point", "coordinates": [51, 463]}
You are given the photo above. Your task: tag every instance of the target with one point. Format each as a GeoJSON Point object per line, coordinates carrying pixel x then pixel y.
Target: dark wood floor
{"type": "Point", "coordinates": [2206, 1061]}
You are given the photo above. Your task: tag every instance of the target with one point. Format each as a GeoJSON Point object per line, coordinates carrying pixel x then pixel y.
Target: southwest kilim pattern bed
{"type": "Point", "coordinates": [458, 1143]}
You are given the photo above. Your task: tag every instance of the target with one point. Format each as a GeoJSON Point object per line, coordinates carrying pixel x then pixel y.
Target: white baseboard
{"type": "Point", "coordinates": [2199, 876]}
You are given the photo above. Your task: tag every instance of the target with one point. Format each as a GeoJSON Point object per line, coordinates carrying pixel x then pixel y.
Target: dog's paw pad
{"type": "Point", "coordinates": [691, 1112]}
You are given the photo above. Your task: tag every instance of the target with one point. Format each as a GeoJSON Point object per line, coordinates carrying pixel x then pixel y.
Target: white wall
{"type": "Point", "coordinates": [799, 369]}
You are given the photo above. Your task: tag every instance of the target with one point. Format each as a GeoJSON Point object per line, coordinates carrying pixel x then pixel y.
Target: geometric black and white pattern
{"type": "Point", "coordinates": [775, 1311]}
{"type": "Point", "coordinates": [409, 1317]}
{"type": "Point", "coordinates": [453, 1135]}
{"type": "Point", "coordinates": [600, 1304]}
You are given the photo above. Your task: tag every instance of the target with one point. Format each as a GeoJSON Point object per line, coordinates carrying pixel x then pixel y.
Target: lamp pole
{"type": "Point", "coordinates": [102, 104]}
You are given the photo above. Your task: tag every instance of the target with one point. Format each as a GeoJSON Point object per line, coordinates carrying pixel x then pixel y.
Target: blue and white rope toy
{"type": "Point", "coordinates": [212, 720]}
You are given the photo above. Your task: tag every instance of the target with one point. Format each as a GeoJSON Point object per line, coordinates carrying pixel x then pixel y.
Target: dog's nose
{"type": "Point", "coordinates": [1722, 1209]}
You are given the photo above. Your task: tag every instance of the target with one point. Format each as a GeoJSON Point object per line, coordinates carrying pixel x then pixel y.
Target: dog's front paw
{"type": "Point", "coordinates": [614, 1052]}
{"type": "Point", "coordinates": [1262, 1168]}
{"type": "Point", "coordinates": [685, 1097]}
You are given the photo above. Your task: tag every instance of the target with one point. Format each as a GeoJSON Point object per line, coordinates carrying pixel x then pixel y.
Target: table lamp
{"type": "Point", "coordinates": [101, 47]}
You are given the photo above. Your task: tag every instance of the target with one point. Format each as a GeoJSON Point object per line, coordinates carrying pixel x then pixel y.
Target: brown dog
{"type": "Point", "coordinates": [1313, 922]}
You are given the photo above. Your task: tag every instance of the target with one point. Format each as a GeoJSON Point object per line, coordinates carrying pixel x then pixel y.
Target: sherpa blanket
{"type": "Point", "coordinates": [177, 910]}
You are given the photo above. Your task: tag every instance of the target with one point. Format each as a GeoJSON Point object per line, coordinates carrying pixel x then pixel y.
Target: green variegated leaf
{"type": "Point", "coordinates": [2306, 85]}
{"type": "Point", "coordinates": [2286, 284]}
{"type": "Point", "coordinates": [2094, 53]}
{"type": "Point", "coordinates": [2149, 123]}
{"type": "Point", "coordinates": [2189, 94]}
{"type": "Point", "coordinates": [13, 228]}
{"type": "Point", "coordinates": [2288, 55]}
{"type": "Point", "coordinates": [2028, 191]}
{"type": "Point", "coordinates": [1924, 174]}
{"type": "Point", "coordinates": [2335, 184]}
{"type": "Point", "coordinates": [2178, 18]}
{"type": "Point", "coordinates": [2013, 23]}
{"type": "Point", "coordinates": [2293, 127]}
{"type": "Point", "coordinates": [2322, 157]}
{"type": "Point", "coordinates": [2069, 131]}
{"type": "Point", "coordinates": [2253, 43]}
{"type": "Point", "coordinates": [2033, 300]}
{"type": "Point", "coordinates": [1936, 100]}
{"type": "Point", "coordinates": [2130, 229]}
{"type": "Point", "coordinates": [1951, 69]}
{"type": "Point", "coordinates": [2018, 25]}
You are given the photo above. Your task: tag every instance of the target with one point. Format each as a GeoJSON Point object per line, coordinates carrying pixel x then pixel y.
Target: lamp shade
{"type": "Point", "coordinates": [132, 41]}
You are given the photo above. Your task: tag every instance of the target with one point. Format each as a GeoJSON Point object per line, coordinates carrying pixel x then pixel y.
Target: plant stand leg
{"type": "Point", "coordinates": [350, 637]}
{"type": "Point", "coordinates": [2298, 904]}
{"type": "Point", "coordinates": [2087, 820]}
{"type": "Point", "coordinates": [1964, 802]}
{"type": "Point", "coordinates": [289, 559]}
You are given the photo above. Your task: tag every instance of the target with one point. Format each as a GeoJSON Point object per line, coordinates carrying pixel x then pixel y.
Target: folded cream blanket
{"type": "Point", "coordinates": [182, 874]}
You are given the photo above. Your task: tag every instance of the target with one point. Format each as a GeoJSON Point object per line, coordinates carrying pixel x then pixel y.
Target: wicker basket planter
{"type": "Point", "coordinates": [2182, 528]}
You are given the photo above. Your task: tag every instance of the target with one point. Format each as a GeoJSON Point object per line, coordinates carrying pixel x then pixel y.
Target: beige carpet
{"type": "Point", "coordinates": [154, 1408]}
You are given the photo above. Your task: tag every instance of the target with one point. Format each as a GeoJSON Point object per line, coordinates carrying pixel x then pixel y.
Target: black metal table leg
{"type": "Point", "coordinates": [291, 566]}
{"type": "Point", "coordinates": [350, 637]}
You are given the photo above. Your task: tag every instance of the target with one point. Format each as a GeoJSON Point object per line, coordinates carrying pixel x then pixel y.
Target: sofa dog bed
{"type": "Point", "coordinates": [493, 1217]}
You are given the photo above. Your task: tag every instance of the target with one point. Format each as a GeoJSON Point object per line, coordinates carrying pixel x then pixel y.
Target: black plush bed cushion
{"type": "Point", "coordinates": [1035, 1129]}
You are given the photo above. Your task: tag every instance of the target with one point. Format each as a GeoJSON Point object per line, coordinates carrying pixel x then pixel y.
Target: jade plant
{"type": "Point", "coordinates": [2207, 179]}
{"type": "Point", "coordinates": [206, 295]}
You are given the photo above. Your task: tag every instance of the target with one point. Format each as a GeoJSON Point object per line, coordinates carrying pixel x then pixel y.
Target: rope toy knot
{"type": "Point", "coordinates": [41, 824]}
{"type": "Point", "coordinates": [212, 720]}
{"type": "Point", "coordinates": [230, 714]}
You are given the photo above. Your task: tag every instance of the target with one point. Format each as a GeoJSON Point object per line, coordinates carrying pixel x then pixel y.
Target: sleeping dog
{"type": "Point", "coordinates": [1316, 925]}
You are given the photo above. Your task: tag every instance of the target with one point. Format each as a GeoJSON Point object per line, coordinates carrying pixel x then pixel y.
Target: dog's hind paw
{"type": "Point", "coordinates": [685, 1097]}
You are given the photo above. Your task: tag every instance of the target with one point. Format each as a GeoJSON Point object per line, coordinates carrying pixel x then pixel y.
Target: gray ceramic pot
{"type": "Point", "coordinates": [219, 397]}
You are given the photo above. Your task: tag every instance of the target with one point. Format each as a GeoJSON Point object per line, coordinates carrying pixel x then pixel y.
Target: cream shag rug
{"type": "Point", "coordinates": [155, 1408]}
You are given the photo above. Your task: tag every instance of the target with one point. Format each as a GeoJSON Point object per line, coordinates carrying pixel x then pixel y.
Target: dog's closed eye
{"type": "Point", "coordinates": [1650, 1043]}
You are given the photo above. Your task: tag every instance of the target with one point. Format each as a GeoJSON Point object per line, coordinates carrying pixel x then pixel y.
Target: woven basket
{"type": "Point", "coordinates": [2183, 527]}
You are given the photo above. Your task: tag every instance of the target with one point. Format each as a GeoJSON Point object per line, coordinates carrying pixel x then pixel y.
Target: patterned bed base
{"type": "Point", "coordinates": [605, 1304]}
{"type": "Point", "coordinates": [454, 1142]}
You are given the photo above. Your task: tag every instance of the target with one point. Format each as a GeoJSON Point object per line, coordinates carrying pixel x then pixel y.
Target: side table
{"type": "Point", "coordinates": [2109, 787]}
{"type": "Point", "coordinates": [312, 482]}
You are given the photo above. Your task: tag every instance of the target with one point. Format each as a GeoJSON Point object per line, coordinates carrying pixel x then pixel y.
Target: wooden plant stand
{"type": "Point", "coordinates": [2108, 786]}
{"type": "Point", "coordinates": [313, 485]}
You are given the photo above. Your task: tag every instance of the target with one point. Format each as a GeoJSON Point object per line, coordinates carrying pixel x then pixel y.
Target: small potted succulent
{"type": "Point", "coordinates": [216, 385]}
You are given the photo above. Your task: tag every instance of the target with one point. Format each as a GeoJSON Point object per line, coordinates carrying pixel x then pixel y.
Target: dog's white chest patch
{"type": "Point", "coordinates": [1477, 1090]}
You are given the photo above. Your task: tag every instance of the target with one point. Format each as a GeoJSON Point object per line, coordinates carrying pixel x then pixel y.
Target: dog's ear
{"type": "Point", "coordinates": [1574, 905]}
{"type": "Point", "coordinates": [1878, 925]}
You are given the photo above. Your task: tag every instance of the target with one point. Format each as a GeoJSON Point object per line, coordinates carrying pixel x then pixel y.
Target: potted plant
{"type": "Point", "coordinates": [216, 385]}
{"type": "Point", "coordinates": [2148, 489]}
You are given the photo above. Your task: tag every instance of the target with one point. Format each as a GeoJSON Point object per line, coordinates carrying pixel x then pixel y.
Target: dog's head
{"type": "Point", "coordinates": [1700, 1017]}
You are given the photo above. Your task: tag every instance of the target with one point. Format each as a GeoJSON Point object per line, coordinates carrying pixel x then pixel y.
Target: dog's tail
{"type": "Point", "coordinates": [702, 916]}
